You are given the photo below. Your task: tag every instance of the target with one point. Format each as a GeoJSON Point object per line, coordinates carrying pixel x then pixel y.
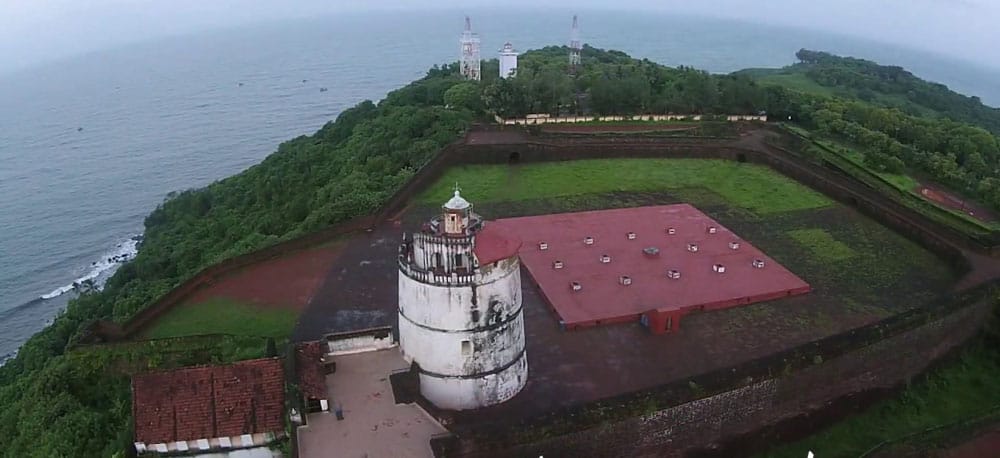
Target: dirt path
{"type": "Point", "coordinates": [948, 200]}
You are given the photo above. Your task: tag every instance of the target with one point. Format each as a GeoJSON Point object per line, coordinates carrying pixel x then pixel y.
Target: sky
{"type": "Point", "coordinates": [37, 31]}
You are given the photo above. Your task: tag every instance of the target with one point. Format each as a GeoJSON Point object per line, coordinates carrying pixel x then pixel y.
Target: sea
{"type": "Point", "coordinates": [90, 145]}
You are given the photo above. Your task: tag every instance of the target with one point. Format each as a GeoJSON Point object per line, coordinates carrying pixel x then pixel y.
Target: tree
{"type": "Point", "coordinates": [506, 97]}
{"type": "Point", "coordinates": [464, 95]}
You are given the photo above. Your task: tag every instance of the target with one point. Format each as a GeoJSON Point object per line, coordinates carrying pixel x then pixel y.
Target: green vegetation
{"type": "Point", "coordinates": [822, 245]}
{"type": "Point", "coordinates": [751, 187]}
{"type": "Point", "coordinates": [223, 316]}
{"type": "Point", "coordinates": [895, 87]}
{"type": "Point", "coordinates": [794, 81]}
{"type": "Point", "coordinates": [959, 391]}
{"type": "Point", "coordinates": [946, 136]}
{"type": "Point", "coordinates": [901, 181]}
{"type": "Point", "coordinates": [614, 84]}
{"type": "Point", "coordinates": [900, 186]}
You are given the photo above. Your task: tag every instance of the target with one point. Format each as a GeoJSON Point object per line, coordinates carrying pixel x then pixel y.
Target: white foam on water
{"type": "Point", "coordinates": [8, 357]}
{"type": "Point", "coordinates": [110, 260]}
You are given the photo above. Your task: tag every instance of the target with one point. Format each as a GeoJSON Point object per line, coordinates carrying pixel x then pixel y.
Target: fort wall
{"type": "Point", "coordinates": [736, 411]}
{"type": "Point", "coordinates": [740, 408]}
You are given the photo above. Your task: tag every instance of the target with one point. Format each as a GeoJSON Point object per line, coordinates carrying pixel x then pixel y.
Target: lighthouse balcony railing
{"type": "Point", "coordinates": [438, 277]}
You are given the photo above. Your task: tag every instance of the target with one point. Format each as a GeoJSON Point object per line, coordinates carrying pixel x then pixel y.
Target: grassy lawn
{"type": "Point", "coordinates": [961, 390]}
{"type": "Point", "coordinates": [797, 82]}
{"type": "Point", "coordinates": [747, 186]}
{"type": "Point", "coordinates": [822, 245]}
{"type": "Point", "coordinates": [222, 316]}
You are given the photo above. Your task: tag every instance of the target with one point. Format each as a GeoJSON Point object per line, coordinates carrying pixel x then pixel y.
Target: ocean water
{"type": "Point", "coordinates": [90, 145]}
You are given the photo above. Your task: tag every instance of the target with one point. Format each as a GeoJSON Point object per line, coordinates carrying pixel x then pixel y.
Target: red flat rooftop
{"type": "Point", "coordinates": [493, 243]}
{"type": "Point", "coordinates": [655, 263]}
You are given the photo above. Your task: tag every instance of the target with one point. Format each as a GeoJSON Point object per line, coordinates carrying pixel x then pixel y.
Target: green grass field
{"type": "Point", "coordinates": [796, 82]}
{"type": "Point", "coordinates": [822, 245]}
{"type": "Point", "coordinates": [750, 187]}
{"type": "Point", "coordinates": [961, 390]}
{"type": "Point", "coordinates": [222, 316]}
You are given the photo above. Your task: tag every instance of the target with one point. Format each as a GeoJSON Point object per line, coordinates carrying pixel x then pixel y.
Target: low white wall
{"type": "Point", "coordinates": [247, 446]}
{"type": "Point", "coordinates": [360, 341]}
{"type": "Point", "coordinates": [662, 117]}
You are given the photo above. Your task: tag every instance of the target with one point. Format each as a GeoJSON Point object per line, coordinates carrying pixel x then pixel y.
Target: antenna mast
{"type": "Point", "coordinates": [574, 47]}
{"type": "Point", "coordinates": [469, 57]}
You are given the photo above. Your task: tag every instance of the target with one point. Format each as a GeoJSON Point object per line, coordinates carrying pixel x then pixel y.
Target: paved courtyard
{"type": "Point", "coordinates": [374, 425]}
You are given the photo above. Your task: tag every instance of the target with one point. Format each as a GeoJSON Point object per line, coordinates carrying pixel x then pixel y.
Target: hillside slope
{"type": "Point", "coordinates": [884, 85]}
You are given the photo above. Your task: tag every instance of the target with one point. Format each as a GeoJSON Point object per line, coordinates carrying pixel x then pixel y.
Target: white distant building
{"type": "Point", "coordinates": [508, 61]}
{"type": "Point", "coordinates": [460, 315]}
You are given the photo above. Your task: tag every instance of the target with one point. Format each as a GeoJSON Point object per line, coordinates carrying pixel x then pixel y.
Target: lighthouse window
{"type": "Point", "coordinates": [437, 260]}
{"type": "Point", "coordinates": [466, 348]}
{"type": "Point", "coordinates": [458, 260]}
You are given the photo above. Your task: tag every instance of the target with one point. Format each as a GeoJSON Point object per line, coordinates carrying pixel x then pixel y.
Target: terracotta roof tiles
{"type": "Point", "coordinates": [309, 366]}
{"type": "Point", "coordinates": [209, 401]}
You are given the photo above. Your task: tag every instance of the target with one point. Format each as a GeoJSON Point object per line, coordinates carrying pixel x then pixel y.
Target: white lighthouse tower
{"type": "Point", "coordinates": [460, 316]}
{"type": "Point", "coordinates": [508, 61]}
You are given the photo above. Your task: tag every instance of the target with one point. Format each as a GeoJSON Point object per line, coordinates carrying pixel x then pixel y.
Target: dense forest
{"type": "Point", "coordinates": [55, 402]}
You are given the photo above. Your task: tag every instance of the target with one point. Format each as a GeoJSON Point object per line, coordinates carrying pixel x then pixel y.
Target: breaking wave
{"type": "Point", "coordinates": [123, 252]}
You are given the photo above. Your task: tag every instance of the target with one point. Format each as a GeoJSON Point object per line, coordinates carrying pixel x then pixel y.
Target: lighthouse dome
{"type": "Point", "coordinates": [457, 203]}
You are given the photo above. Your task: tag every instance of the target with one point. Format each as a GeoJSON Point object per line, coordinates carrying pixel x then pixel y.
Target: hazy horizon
{"type": "Point", "coordinates": [36, 32]}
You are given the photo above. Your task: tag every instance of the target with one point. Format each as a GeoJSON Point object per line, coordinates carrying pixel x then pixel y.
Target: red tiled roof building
{"type": "Point", "coordinates": [311, 372]}
{"type": "Point", "coordinates": [208, 408]}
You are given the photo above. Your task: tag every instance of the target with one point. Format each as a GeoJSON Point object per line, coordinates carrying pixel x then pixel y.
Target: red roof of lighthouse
{"type": "Point", "coordinates": [494, 242]}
